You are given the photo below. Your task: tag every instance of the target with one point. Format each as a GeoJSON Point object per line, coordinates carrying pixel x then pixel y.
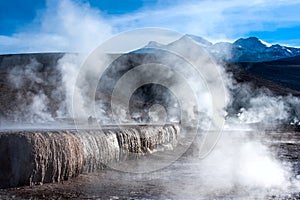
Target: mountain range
{"type": "Point", "coordinates": [250, 49]}
{"type": "Point", "coordinates": [23, 77]}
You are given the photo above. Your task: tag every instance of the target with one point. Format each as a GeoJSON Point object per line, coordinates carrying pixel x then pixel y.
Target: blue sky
{"type": "Point", "coordinates": [71, 25]}
{"type": "Point", "coordinates": [15, 14]}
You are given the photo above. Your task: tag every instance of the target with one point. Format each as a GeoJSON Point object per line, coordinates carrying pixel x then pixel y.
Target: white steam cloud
{"type": "Point", "coordinates": [239, 167]}
{"type": "Point", "coordinates": [65, 26]}
{"type": "Point", "coordinates": [69, 66]}
{"type": "Point", "coordinates": [32, 105]}
{"type": "Point", "coordinates": [252, 105]}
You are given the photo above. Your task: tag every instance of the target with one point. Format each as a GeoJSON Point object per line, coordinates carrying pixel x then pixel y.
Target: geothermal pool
{"type": "Point", "coordinates": [243, 165]}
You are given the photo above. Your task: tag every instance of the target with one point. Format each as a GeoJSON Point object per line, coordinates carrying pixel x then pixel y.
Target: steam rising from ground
{"type": "Point", "coordinates": [241, 164]}
{"type": "Point", "coordinates": [238, 162]}
{"type": "Point", "coordinates": [69, 66]}
{"type": "Point", "coordinates": [249, 105]}
{"type": "Point", "coordinates": [33, 96]}
{"type": "Point", "coordinates": [238, 167]}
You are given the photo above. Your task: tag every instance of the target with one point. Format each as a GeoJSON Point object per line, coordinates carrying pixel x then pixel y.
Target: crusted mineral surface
{"type": "Point", "coordinates": [32, 157]}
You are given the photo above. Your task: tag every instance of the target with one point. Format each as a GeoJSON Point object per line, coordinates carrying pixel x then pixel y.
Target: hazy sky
{"type": "Point", "coordinates": [68, 25]}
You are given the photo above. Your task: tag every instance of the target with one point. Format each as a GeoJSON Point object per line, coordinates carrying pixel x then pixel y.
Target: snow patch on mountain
{"type": "Point", "coordinates": [265, 43]}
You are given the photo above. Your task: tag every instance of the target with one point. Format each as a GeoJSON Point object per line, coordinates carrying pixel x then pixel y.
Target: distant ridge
{"type": "Point", "coordinates": [250, 49]}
